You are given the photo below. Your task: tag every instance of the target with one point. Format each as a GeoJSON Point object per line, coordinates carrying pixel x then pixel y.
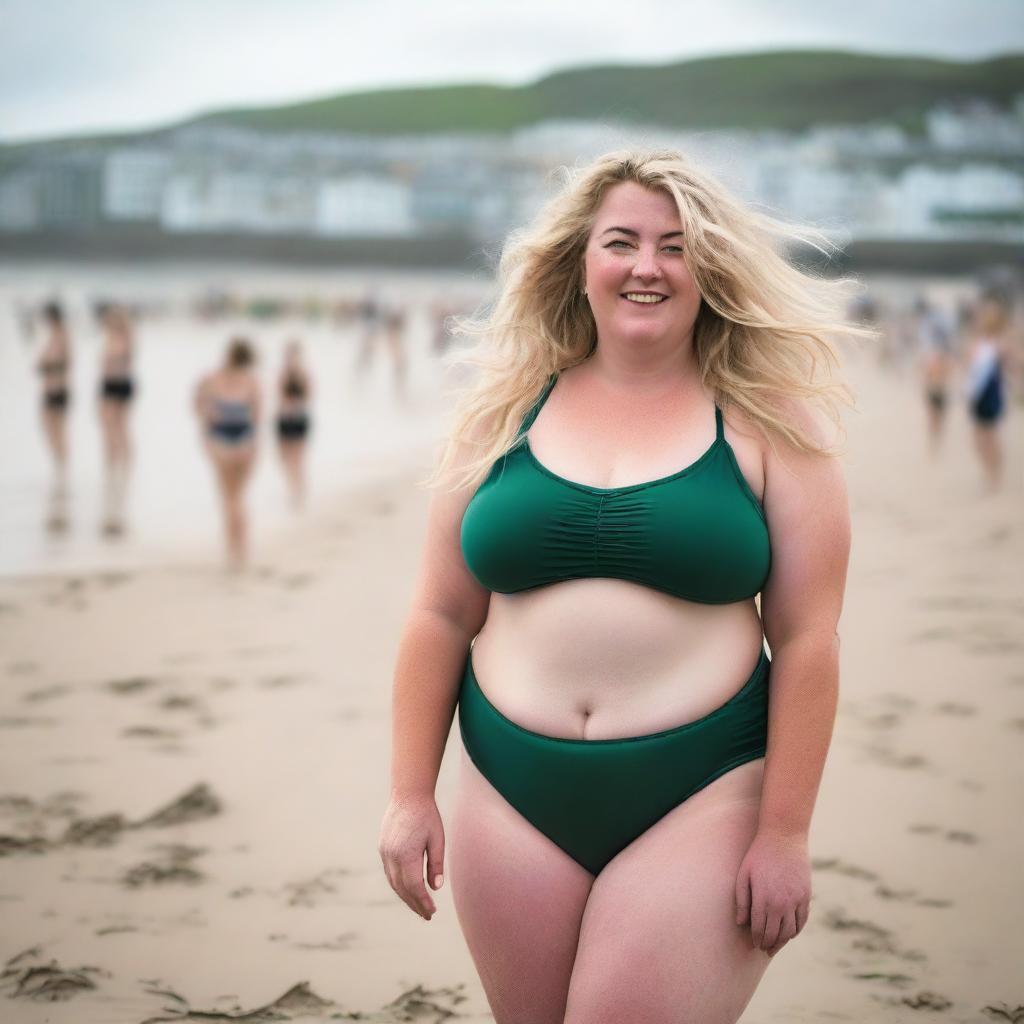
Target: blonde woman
{"type": "Point", "coordinates": [638, 460]}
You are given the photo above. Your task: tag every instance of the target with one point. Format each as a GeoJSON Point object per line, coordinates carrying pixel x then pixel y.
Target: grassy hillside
{"type": "Point", "coordinates": [786, 90]}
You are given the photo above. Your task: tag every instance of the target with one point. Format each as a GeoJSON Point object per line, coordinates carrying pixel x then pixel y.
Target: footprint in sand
{"type": "Point", "coordinates": [173, 864]}
{"type": "Point", "coordinates": [897, 980]}
{"type": "Point", "coordinates": [306, 894]}
{"type": "Point", "coordinates": [898, 700]}
{"type": "Point", "coordinates": [1001, 1011]}
{"type": "Point", "coordinates": [834, 864]}
{"type": "Point", "coordinates": [300, 1001]}
{"type": "Point", "coordinates": [45, 693]}
{"type": "Point", "coordinates": [928, 636]}
{"type": "Point", "coordinates": [272, 682]}
{"type": "Point", "coordinates": [926, 1001]}
{"type": "Point", "coordinates": [26, 976]}
{"type": "Point", "coordinates": [25, 721]}
{"type": "Point", "coordinates": [891, 759]}
{"type": "Point", "coordinates": [952, 835]}
{"type": "Point", "coordinates": [958, 710]}
{"type": "Point", "coordinates": [150, 732]}
{"type": "Point", "coordinates": [132, 684]}
{"type": "Point", "coordinates": [870, 937]}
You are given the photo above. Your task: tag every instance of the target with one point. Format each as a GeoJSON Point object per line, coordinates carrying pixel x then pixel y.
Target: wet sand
{"type": "Point", "coordinates": [194, 769]}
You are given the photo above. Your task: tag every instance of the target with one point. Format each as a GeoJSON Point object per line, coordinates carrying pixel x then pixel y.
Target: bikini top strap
{"type": "Point", "coordinates": [719, 428]}
{"type": "Point", "coordinates": [535, 409]}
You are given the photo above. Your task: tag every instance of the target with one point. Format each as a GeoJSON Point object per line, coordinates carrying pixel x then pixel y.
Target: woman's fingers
{"type": "Point", "coordinates": [414, 892]}
{"type": "Point", "coordinates": [802, 913]}
{"type": "Point", "coordinates": [742, 896]}
{"type": "Point", "coordinates": [772, 928]}
{"type": "Point", "coordinates": [787, 932]}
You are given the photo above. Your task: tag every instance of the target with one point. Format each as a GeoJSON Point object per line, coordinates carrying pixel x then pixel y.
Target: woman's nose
{"type": "Point", "coordinates": [647, 265]}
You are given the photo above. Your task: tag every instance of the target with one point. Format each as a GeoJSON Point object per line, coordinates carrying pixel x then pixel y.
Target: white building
{"type": "Point", "coordinates": [133, 183]}
{"type": "Point", "coordinates": [364, 205]}
{"type": "Point", "coordinates": [19, 206]}
{"type": "Point", "coordinates": [238, 201]}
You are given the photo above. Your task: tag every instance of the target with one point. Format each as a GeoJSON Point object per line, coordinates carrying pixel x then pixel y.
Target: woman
{"type": "Point", "coordinates": [935, 349]}
{"type": "Point", "coordinates": [294, 392]}
{"type": "Point", "coordinates": [115, 395]}
{"type": "Point", "coordinates": [54, 368]}
{"type": "Point", "coordinates": [227, 402]}
{"type": "Point", "coordinates": [621, 847]}
{"type": "Point", "coordinates": [988, 359]}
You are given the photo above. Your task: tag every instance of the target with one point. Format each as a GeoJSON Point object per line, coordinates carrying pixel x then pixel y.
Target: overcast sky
{"type": "Point", "coordinates": [69, 66]}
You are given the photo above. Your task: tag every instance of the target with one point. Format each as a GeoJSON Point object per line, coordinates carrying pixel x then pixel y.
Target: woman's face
{"type": "Point", "coordinates": [636, 248]}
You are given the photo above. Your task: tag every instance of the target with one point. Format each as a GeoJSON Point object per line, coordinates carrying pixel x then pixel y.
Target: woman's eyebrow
{"type": "Point", "coordinates": [630, 231]}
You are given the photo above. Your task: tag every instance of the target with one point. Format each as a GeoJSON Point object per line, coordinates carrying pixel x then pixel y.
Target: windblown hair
{"type": "Point", "coordinates": [764, 331]}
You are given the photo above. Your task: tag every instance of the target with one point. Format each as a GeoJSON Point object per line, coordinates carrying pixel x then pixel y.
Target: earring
{"type": "Point", "coordinates": [583, 291]}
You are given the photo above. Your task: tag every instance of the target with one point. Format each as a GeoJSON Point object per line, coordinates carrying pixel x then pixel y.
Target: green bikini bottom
{"type": "Point", "coordinates": [592, 798]}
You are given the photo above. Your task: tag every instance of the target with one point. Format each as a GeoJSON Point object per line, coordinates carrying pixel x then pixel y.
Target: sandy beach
{"type": "Point", "coordinates": [194, 768]}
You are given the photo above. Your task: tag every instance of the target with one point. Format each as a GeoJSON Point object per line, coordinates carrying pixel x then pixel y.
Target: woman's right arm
{"type": "Point", "coordinates": [447, 611]}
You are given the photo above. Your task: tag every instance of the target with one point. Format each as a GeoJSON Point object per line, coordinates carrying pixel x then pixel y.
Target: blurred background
{"type": "Point", "coordinates": [343, 174]}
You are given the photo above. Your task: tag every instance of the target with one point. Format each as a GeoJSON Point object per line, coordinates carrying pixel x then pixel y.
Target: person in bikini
{"type": "Point", "coordinates": [642, 456]}
{"type": "Point", "coordinates": [294, 393]}
{"type": "Point", "coordinates": [227, 404]}
{"type": "Point", "coordinates": [54, 368]}
{"type": "Point", "coordinates": [116, 390]}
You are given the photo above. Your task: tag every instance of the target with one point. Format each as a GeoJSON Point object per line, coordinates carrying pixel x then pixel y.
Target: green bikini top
{"type": "Point", "coordinates": [699, 534]}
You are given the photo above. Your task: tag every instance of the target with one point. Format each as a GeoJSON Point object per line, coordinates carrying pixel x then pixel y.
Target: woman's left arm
{"type": "Point", "coordinates": [807, 509]}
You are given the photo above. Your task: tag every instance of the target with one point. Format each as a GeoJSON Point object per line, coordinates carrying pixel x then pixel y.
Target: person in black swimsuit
{"type": "Point", "coordinates": [115, 395]}
{"type": "Point", "coordinates": [227, 402]}
{"type": "Point", "coordinates": [293, 421]}
{"type": "Point", "coordinates": [54, 367]}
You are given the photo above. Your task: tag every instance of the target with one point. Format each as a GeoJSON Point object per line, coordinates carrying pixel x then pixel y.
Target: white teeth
{"type": "Point", "coordinates": [638, 297]}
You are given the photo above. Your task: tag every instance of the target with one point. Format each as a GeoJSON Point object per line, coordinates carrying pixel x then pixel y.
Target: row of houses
{"type": "Point", "coordinates": [867, 181]}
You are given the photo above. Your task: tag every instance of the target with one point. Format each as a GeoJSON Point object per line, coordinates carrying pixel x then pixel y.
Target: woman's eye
{"type": "Point", "coordinates": [617, 241]}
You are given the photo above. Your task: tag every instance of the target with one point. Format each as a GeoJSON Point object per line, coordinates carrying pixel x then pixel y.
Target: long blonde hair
{"type": "Point", "coordinates": [764, 330]}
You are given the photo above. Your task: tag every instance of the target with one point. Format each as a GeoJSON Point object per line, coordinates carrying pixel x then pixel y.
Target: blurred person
{"type": "Point", "coordinates": [936, 360]}
{"type": "Point", "coordinates": [227, 402]}
{"type": "Point", "coordinates": [116, 391]}
{"type": "Point", "coordinates": [294, 392]}
{"type": "Point", "coordinates": [395, 315]}
{"type": "Point", "coordinates": [370, 321]}
{"type": "Point", "coordinates": [54, 368]}
{"type": "Point", "coordinates": [988, 357]}
{"type": "Point", "coordinates": [629, 839]}
{"type": "Point", "coordinates": [440, 311]}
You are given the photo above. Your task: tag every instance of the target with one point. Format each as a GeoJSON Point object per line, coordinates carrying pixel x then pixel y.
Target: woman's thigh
{"type": "Point", "coordinates": [659, 942]}
{"type": "Point", "coordinates": [519, 900]}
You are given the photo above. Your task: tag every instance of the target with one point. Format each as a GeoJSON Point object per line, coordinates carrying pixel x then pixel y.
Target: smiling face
{"type": "Point", "coordinates": [638, 284]}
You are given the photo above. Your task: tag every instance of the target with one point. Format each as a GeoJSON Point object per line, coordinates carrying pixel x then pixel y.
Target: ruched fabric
{"type": "Point", "coordinates": [699, 534]}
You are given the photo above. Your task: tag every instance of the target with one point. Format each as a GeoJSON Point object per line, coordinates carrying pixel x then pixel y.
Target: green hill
{"type": "Point", "coordinates": [788, 90]}
{"type": "Point", "coordinates": [784, 90]}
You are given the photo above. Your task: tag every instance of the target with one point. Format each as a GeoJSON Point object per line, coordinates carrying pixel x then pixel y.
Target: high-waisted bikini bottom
{"type": "Point", "coordinates": [594, 797]}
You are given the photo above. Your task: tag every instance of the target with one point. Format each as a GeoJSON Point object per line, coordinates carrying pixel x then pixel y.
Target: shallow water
{"type": "Point", "coordinates": [360, 430]}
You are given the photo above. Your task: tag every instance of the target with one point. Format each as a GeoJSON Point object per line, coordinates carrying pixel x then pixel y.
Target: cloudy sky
{"type": "Point", "coordinates": [69, 66]}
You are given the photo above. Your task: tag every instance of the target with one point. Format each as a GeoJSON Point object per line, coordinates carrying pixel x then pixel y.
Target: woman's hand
{"type": "Point", "coordinates": [412, 826]}
{"type": "Point", "coordinates": [773, 889]}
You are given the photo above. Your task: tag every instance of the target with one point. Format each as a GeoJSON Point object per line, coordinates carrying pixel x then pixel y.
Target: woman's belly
{"type": "Point", "coordinates": [603, 659]}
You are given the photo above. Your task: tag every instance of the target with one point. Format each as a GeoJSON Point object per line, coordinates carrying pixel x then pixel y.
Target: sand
{"type": "Point", "coordinates": [193, 769]}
